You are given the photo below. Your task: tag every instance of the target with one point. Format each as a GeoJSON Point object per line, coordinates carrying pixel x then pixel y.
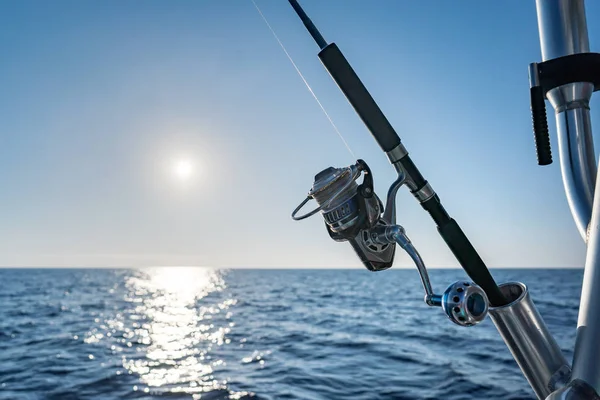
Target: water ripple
{"type": "Point", "coordinates": [195, 333]}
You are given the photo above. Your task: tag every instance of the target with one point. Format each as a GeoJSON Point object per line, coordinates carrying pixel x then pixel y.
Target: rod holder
{"type": "Point", "coordinates": [525, 333]}
{"type": "Point", "coordinates": [575, 390]}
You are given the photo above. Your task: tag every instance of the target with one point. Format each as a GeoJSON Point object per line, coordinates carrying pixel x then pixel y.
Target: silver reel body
{"type": "Point", "coordinates": [350, 212]}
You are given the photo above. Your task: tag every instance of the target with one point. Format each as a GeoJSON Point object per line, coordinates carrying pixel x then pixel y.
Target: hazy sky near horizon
{"type": "Point", "coordinates": [101, 100]}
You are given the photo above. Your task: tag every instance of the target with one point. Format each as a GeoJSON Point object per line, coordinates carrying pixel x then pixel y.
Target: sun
{"type": "Point", "coordinates": [183, 169]}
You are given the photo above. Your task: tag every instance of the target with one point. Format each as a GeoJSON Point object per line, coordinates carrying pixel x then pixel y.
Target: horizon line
{"type": "Point", "coordinates": [264, 268]}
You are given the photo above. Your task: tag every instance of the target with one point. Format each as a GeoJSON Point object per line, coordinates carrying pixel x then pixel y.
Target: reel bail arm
{"type": "Point", "coordinates": [354, 171]}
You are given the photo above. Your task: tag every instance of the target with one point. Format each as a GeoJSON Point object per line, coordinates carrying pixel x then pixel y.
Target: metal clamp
{"type": "Point", "coordinates": [581, 67]}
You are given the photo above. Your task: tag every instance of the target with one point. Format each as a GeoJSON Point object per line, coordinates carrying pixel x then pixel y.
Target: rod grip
{"type": "Point", "coordinates": [468, 258]}
{"type": "Point", "coordinates": [540, 126]}
{"type": "Point", "coordinates": [359, 97]}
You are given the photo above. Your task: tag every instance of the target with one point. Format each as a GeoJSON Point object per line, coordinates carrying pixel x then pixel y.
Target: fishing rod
{"type": "Point", "coordinates": [354, 213]}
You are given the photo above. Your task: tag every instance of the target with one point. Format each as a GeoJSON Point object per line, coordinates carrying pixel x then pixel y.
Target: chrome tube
{"type": "Point", "coordinates": [563, 31]}
{"type": "Point", "coordinates": [575, 390]}
{"type": "Point", "coordinates": [577, 161]}
{"type": "Point", "coordinates": [528, 339]}
{"type": "Point", "coordinates": [586, 360]}
{"type": "Point", "coordinates": [563, 28]}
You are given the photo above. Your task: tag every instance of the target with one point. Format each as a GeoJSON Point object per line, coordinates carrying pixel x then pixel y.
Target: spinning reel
{"type": "Point", "coordinates": [354, 213]}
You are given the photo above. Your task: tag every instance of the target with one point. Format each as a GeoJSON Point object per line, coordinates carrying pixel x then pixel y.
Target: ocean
{"type": "Point", "coordinates": [197, 333]}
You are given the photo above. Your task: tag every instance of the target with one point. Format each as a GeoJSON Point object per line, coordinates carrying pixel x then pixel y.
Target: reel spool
{"type": "Point", "coordinates": [346, 206]}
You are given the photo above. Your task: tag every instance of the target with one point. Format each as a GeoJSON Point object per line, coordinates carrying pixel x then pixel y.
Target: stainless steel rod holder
{"type": "Point", "coordinates": [525, 333]}
{"type": "Point", "coordinates": [563, 32]}
{"type": "Point", "coordinates": [575, 390]}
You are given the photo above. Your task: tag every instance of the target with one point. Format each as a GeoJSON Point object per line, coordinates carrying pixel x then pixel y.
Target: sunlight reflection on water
{"type": "Point", "coordinates": [172, 330]}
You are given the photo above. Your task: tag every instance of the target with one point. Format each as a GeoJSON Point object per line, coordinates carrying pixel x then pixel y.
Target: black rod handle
{"type": "Point", "coordinates": [359, 97]}
{"type": "Point", "coordinates": [463, 250]}
{"type": "Point", "coordinates": [540, 126]}
{"type": "Point", "coordinates": [468, 258]}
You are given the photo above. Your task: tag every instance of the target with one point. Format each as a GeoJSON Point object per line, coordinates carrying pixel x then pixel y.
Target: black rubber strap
{"type": "Point", "coordinates": [540, 126]}
{"type": "Point", "coordinates": [581, 67]}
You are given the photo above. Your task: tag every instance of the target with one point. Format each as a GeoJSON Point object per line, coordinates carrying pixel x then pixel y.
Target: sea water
{"type": "Point", "coordinates": [201, 333]}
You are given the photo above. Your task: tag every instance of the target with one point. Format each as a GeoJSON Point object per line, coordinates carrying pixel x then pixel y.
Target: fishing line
{"type": "Point", "coordinates": [303, 79]}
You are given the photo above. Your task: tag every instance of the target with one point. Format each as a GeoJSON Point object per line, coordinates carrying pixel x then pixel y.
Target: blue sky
{"type": "Point", "coordinates": [99, 99]}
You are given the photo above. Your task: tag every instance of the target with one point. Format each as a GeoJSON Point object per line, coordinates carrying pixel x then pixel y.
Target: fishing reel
{"type": "Point", "coordinates": [354, 213]}
{"type": "Point", "coordinates": [350, 212]}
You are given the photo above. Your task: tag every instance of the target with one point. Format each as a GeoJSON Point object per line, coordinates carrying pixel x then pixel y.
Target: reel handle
{"type": "Point", "coordinates": [464, 303]}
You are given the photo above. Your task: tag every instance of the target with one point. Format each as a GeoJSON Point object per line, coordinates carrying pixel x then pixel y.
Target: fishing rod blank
{"type": "Point", "coordinates": [365, 106]}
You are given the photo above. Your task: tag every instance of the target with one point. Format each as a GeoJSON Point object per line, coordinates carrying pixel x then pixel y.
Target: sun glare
{"type": "Point", "coordinates": [183, 169]}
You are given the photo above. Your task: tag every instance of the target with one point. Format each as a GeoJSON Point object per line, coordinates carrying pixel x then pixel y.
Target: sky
{"type": "Point", "coordinates": [178, 133]}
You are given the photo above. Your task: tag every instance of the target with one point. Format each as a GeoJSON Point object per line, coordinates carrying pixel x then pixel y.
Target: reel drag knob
{"type": "Point", "coordinates": [465, 303]}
